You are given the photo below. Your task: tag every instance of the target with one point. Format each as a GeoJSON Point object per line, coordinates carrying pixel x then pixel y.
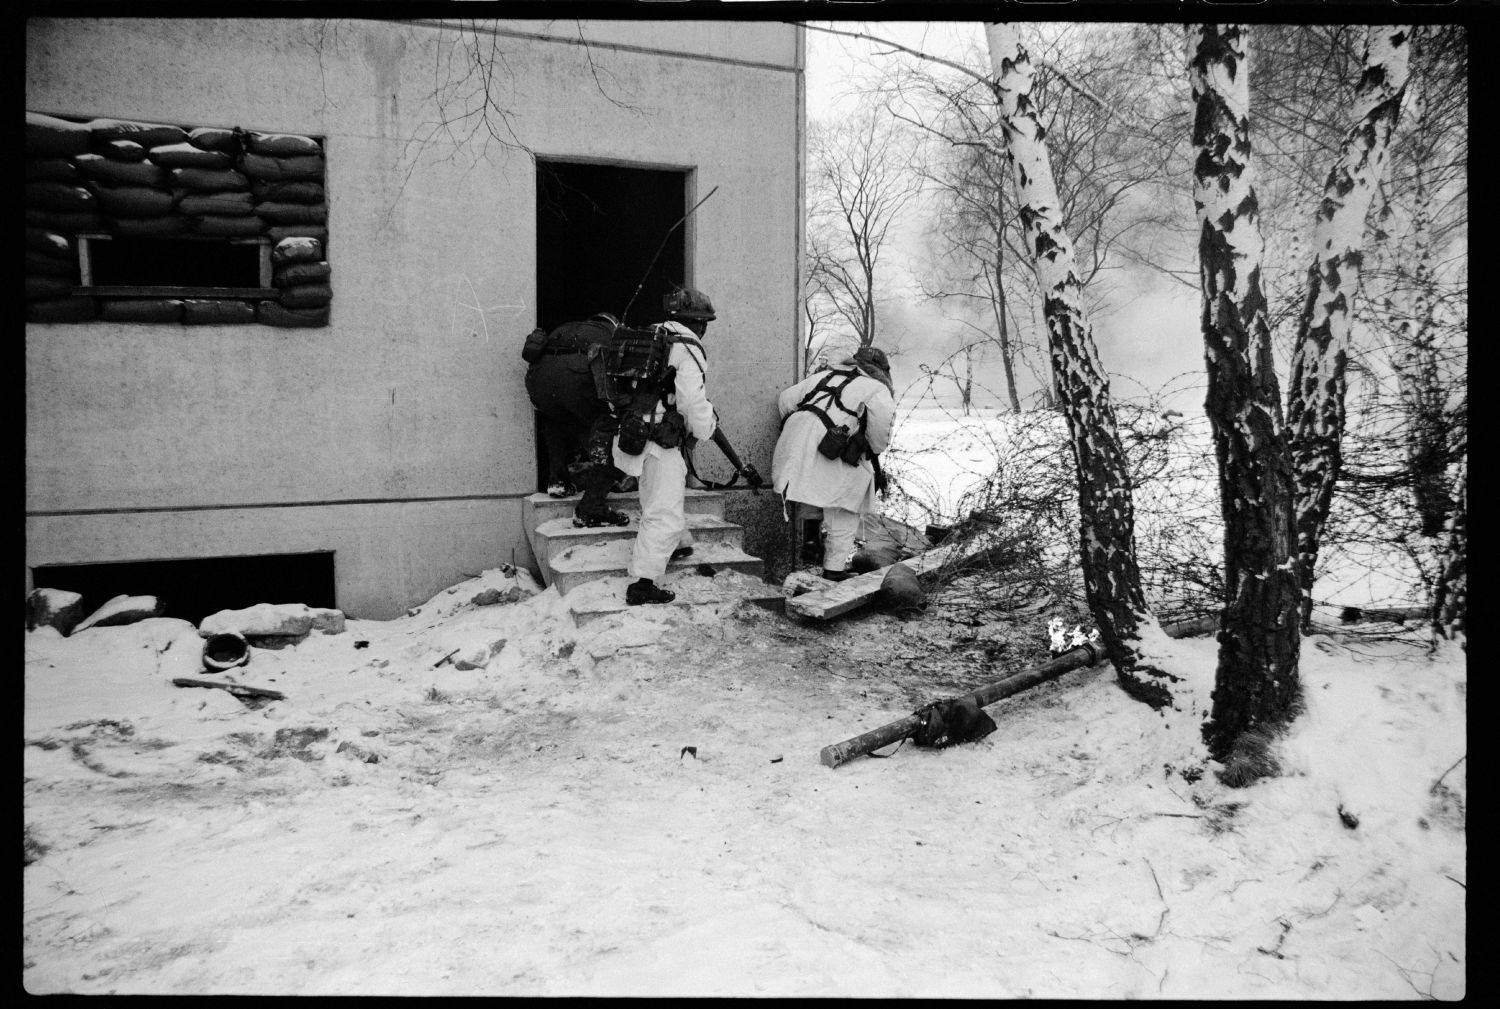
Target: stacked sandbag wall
{"type": "Point", "coordinates": [110, 176]}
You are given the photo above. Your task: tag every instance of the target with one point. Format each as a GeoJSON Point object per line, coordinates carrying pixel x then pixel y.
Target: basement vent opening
{"type": "Point", "coordinates": [194, 589]}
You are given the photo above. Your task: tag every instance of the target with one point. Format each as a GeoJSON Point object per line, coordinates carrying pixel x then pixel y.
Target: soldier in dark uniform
{"type": "Point", "coordinates": [577, 425]}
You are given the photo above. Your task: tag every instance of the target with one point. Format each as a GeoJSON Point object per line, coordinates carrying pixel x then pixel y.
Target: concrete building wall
{"type": "Point", "coordinates": [400, 436]}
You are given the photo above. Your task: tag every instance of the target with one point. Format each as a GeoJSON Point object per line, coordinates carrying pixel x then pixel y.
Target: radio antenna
{"type": "Point", "coordinates": [660, 247]}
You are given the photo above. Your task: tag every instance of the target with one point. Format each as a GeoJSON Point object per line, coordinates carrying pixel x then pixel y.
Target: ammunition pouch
{"type": "Point", "coordinates": [536, 343]}
{"type": "Point", "coordinates": [855, 449]}
{"type": "Point", "coordinates": [671, 431]}
{"type": "Point", "coordinates": [634, 433]}
{"type": "Point", "coordinates": [841, 444]}
{"type": "Point", "coordinates": [834, 443]}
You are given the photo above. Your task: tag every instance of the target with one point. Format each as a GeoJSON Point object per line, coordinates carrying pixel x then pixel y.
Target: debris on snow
{"type": "Point", "coordinates": [225, 650]}
{"type": "Point", "coordinates": [1064, 640]}
{"type": "Point", "coordinates": [122, 610]}
{"type": "Point", "coordinates": [55, 608]}
{"type": "Point", "coordinates": [273, 620]}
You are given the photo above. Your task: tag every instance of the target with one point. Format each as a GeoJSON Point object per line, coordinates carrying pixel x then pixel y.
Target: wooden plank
{"type": "Point", "coordinates": [841, 597]}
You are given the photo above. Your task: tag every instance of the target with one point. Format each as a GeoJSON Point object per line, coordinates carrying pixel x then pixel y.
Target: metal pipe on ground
{"type": "Point", "coordinates": [1084, 655]}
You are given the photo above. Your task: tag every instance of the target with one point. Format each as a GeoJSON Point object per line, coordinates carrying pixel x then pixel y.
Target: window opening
{"type": "Point", "coordinates": [157, 267]}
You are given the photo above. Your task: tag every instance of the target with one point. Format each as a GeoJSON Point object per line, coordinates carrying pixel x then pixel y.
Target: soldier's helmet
{"type": "Point", "coordinates": [686, 303]}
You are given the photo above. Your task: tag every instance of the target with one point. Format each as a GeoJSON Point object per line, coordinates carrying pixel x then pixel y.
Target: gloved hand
{"type": "Point", "coordinates": [881, 483]}
{"type": "Point", "coordinates": [752, 477]}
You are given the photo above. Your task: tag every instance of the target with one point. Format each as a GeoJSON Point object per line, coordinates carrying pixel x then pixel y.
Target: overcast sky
{"type": "Point", "coordinates": [1151, 342]}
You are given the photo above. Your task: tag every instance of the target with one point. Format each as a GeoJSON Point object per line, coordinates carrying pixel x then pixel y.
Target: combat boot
{"type": "Point", "coordinates": [591, 510]}
{"type": "Point", "coordinates": [647, 591]}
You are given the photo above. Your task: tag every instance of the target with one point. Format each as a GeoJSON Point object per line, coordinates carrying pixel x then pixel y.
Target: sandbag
{"type": "Point", "coordinates": [288, 192]}
{"type": "Point", "coordinates": [272, 314]}
{"type": "Point", "coordinates": [901, 592]}
{"type": "Point", "coordinates": [209, 180]}
{"type": "Point", "coordinates": [67, 224]}
{"type": "Point", "coordinates": [49, 243]}
{"type": "Point", "coordinates": [216, 312]}
{"type": "Point", "coordinates": [215, 138]}
{"type": "Point", "coordinates": [147, 227]}
{"type": "Point", "coordinates": [133, 201]}
{"type": "Point", "coordinates": [74, 309]}
{"type": "Point", "coordinates": [313, 231]}
{"type": "Point", "coordinates": [185, 155]}
{"type": "Point", "coordinates": [226, 227]}
{"type": "Point", "coordinates": [292, 274]}
{"type": "Point", "coordinates": [283, 145]}
{"type": "Point", "coordinates": [41, 286]}
{"type": "Point", "coordinates": [37, 262]}
{"type": "Point", "coordinates": [136, 173]}
{"type": "Point", "coordinates": [148, 135]}
{"type": "Point", "coordinates": [297, 250]}
{"type": "Point", "coordinates": [292, 213]}
{"type": "Point", "coordinates": [122, 150]}
{"type": "Point", "coordinates": [60, 196]}
{"type": "Point", "coordinates": [272, 169]}
{"type": "Point", "coordinates": [48, 136]}
{"type": "Point", "coordinates": [50, 170]}
{"type": "Point", "coordinates": [306, 296]}
{"type": "Point", "coordinates": [140, 310]}
{"type": "Point", "coordinates": [224, 204]}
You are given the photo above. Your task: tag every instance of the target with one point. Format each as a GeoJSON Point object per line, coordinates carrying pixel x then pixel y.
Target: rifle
{"type": "Point", "coordinates": [752, 477]}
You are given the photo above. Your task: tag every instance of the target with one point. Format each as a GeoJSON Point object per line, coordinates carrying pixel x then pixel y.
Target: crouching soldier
{"type": "Point", "coordinates": [834, 424]}
{"type": "Point", "coordinates": [577, 426]}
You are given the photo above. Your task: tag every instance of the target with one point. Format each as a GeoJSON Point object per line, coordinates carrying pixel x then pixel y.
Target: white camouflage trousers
{"type": "Point", "coordinates": [663, 488]}
{"type": "Point", "coordinates": [840, 527]}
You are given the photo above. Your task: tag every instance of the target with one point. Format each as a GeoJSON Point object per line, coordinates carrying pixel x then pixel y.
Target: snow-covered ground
{"type": "Point", "coordinates": [636, 807]}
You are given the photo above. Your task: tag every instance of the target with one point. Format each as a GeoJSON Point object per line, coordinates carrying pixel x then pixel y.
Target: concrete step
{"type": "Point", "coordinates": [604, 597]}
{"type": "Point", "coordinates": [539, 508]}
{"type": "Point", "coordinates": [576, 565]}
{"type": "Point", "coordinates": [555, 536]}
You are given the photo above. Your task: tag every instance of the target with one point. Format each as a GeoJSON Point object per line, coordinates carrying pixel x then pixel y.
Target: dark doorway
{"type": "Point", "coordinates": [194, 589]}
{"type": "Point", "coordinates": [597, 229]}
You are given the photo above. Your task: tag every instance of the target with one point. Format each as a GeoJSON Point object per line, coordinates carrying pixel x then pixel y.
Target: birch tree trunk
{"type": "Point", "coordinates": [1422, 394]}
{"type": "Point", "coordinates": [1315, 403]}
{"type": "Point", "coordinates": [1107, 516]}
{"type": "Point", "coordinates": [1256, 682]}
{"type": "Point", "coordinates": [1451, 600]}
